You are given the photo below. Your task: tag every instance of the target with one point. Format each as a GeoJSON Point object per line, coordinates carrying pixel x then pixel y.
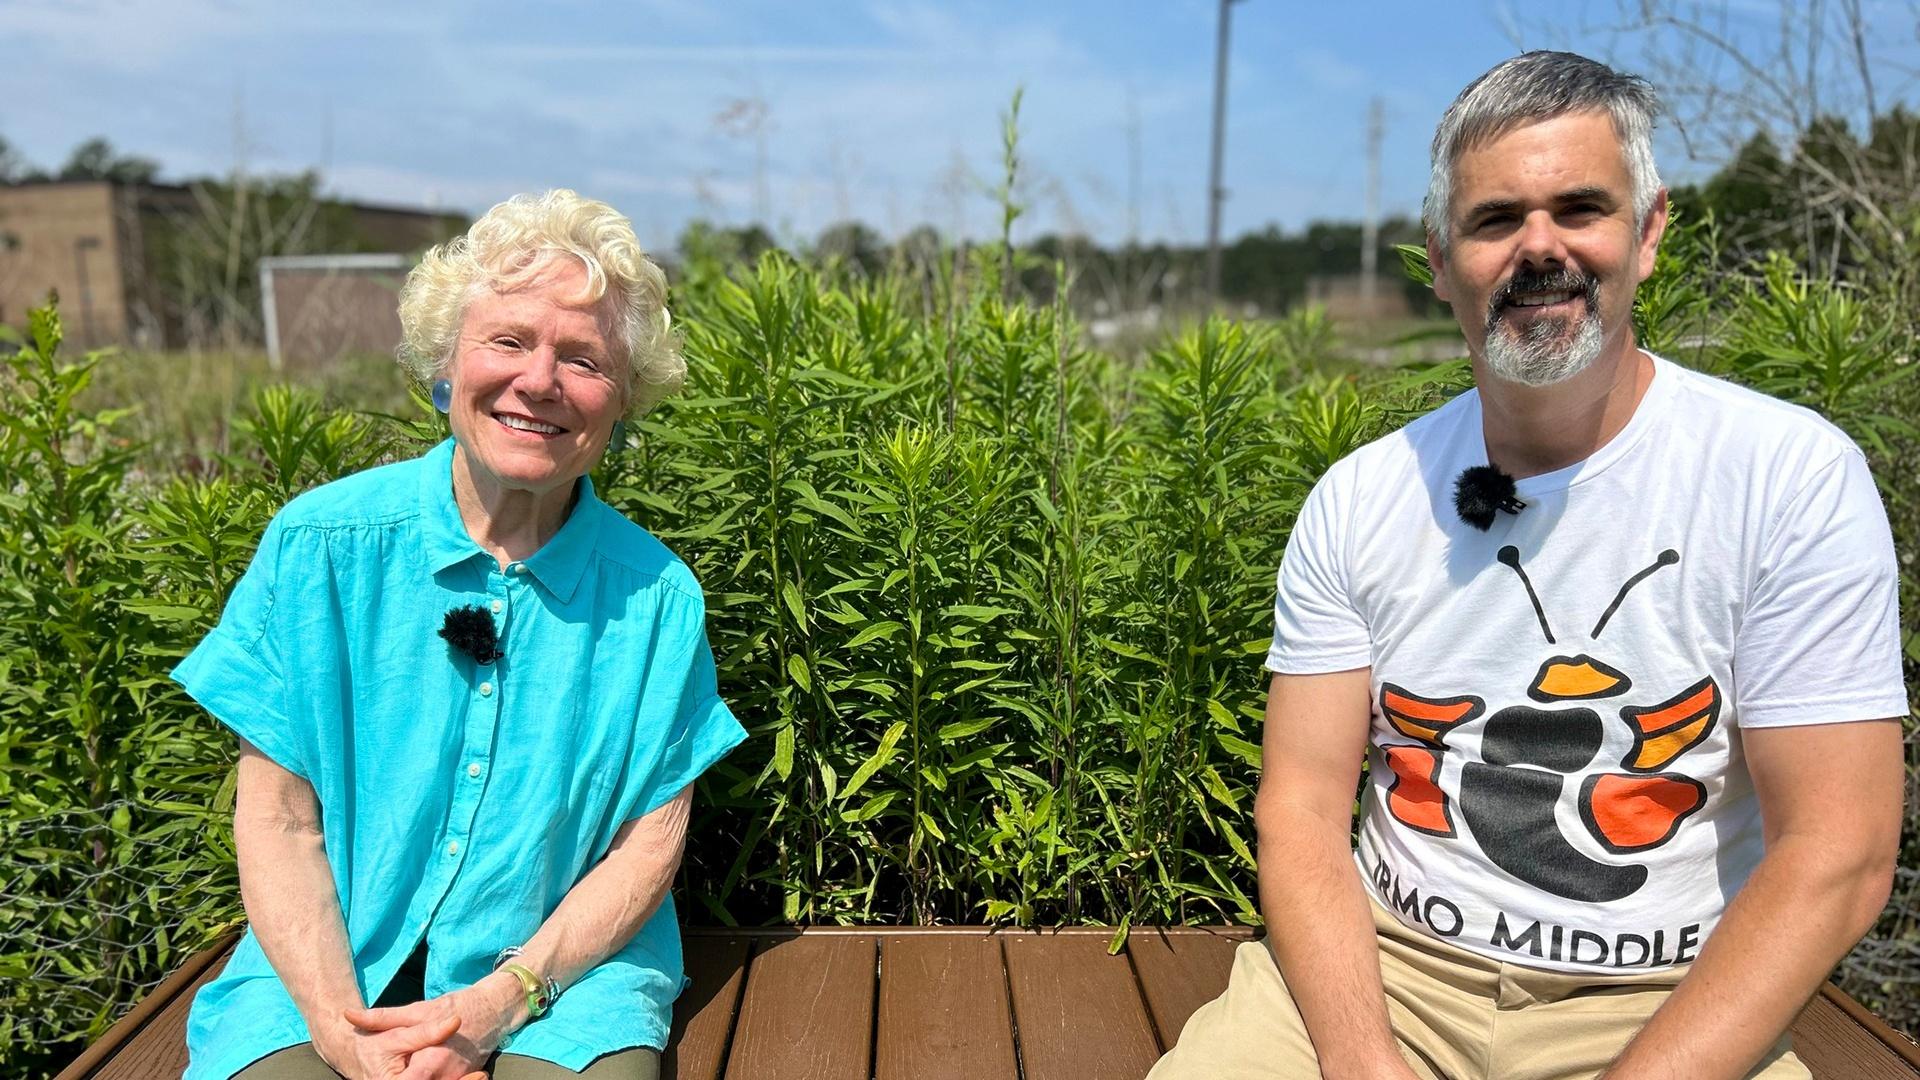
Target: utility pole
{"type": "Point", "coordinates": [1370, 231]}
{"type": "Point", "coordinates": [1215, 193]}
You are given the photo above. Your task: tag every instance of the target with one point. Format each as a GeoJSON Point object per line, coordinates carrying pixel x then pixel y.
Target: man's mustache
{"type": "Point", "coordinates": [1540, 281]}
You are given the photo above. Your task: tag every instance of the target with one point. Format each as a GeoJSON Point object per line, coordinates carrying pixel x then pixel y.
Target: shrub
{"type": "Point", "coordinates": [990, 604]}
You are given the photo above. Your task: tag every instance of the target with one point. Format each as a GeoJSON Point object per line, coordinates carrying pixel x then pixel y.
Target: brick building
{"type": "Point", "coordinates": [110, 250]}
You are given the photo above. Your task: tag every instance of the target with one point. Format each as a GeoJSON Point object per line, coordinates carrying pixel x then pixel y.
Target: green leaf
{"type": "Point", "coordinates": [1125, 650]}
{"type": "Point", "coordinates": [962, 729]}
{"type": "Point", "coordinates": [876, 760]}
{"type": "Point", "coordinates": [927, 824]}
{"type": "Point", "coordinates": [875, 631]}
{"type": "Point", "coordinates": [977, 612]}
{"type": "Point", "coordinates": [1238, 845]}
{"type": "Point", "coordinates": [1216, 786]}
{"type": "Point", "coordinates": [870, 809]}
{"type": "Point", "coordinates": [797, 671]}
{"type": "Point", "coordinates": [43, 326]}
{"type": "Point", "coordinates": [783, 752]}
{"type": "Point", "coordinates": [160, 612]}
{"type": "Point", "coordinates": [790, 594]}
{"type": "Point", "coordinates": [1240, 748]}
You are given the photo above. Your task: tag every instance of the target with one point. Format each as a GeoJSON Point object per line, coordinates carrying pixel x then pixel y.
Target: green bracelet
{"type": "Point", "coordinates": [541, 993]}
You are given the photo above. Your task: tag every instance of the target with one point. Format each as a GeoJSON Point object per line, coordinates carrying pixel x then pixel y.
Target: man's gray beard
{"type": "Point", "coordinates": [1538, 355]}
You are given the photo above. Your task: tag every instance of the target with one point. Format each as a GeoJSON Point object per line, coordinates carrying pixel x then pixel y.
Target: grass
{"type": "Point", "coordinates": [185, 403]}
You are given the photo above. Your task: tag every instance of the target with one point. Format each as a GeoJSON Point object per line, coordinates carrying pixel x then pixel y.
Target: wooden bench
{"type": "Point", "coordinates": [930, 1003]}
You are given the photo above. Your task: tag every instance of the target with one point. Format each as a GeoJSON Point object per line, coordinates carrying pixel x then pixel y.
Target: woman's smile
{"type": "Point", "coordinates": [527, 427]}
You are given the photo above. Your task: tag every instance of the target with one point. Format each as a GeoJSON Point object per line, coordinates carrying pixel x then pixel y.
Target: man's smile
{"type": "Point", "coordinates": [1542, 299]}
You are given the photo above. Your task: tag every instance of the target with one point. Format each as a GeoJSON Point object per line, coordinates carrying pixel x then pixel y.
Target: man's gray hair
{"type": "Point", "coordinates": [1539, 86]}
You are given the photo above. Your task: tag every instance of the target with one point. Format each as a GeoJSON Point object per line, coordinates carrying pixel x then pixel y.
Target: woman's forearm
{"type": "Point", "coordinates": [287, 887]}
{"type": "Point", "coordinates": [607, 907]}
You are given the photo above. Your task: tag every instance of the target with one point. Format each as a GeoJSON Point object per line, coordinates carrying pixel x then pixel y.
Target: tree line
{"type": "Point", "coordinates": [1836, 201]}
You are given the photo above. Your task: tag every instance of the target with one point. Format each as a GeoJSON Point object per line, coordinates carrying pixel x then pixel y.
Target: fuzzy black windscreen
{"type": "Point", "coordinates": [470, 629]}
{"type": "Point", "coordinates": [1481, 492]}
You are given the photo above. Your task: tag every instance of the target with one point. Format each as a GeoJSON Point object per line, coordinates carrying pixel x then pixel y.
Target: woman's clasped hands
{"type": "Point", "coordinates": [449, 1037]}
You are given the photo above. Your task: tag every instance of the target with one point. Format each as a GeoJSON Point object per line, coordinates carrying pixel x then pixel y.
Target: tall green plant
{"type": "Point", "coordinates": [989, 601]}
{"type": "Point", "coordinates": [99, 828]}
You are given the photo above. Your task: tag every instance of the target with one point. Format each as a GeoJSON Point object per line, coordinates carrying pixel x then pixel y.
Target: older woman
{"type": "Point", "coordinates": [471, 700]}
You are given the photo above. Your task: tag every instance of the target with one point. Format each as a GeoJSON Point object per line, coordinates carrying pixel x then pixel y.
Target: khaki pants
{"type": "Point", "coordinates": [1455, 1014]}
{"type": "Point", "coordinates": [301, 1063]}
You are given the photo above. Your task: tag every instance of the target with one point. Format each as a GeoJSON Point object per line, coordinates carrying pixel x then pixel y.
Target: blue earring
{"type": "Point", "coordinates": [442, 394]}
{"type": "Point", "coordinates": [618, 441]}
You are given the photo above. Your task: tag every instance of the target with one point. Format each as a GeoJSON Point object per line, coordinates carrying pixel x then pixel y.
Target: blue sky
{"type": "Point", "coordinates": [883, 111]}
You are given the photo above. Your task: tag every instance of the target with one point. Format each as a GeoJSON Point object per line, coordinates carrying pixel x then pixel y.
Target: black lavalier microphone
{"type": "Point", "coordinates": [1482, 491]}
{"type": "Point", "coordinates": [470, 629]}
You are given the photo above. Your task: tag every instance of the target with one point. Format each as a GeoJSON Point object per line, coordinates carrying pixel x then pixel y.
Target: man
{"type": "Point", "coordinates": [1619, 644]}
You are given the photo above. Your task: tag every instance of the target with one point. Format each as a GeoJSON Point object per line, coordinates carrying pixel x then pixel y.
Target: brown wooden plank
{"type": "Point", "coordinates": [703, 1016]}
{"type": "Point", "coordinates": [1899, 1042]}
{"type": "Point", "coordinates": [1081, 1012]}
{"type": "Point", "coordinates": [1834, 1047]}
{"type": "Point", "coordinates": [807, 1013]}
{"type": "Point", "coordinates": [1078, 1009]}
{"type": "Point", "coordinates": [1179, 973]}
{"type": "Point", "coordinates": [944, 1013]}
{"type": "Point", "coordinates": [159, 1047]}
{"type": "Point", "coordinates": [178, 986]}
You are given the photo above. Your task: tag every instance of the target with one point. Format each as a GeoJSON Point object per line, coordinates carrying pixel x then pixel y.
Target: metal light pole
{"type": "Point", "coordinates": [1370, 231]}
{"type": "Point", "coordinates": [1215, 193]}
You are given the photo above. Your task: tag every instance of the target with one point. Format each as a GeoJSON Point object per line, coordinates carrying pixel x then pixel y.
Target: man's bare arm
{"type": "Point", "coordinates": [1319, 925]}
{"type": "Point", "coordinates": [1830, 802]}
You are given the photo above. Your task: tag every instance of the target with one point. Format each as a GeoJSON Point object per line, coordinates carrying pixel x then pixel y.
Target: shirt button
{"type": "Point", "coordinates": [453, 847]}
{"type": "Point", "coordinates": [486, 689]}
{"type": "Point", "coordinates": [518, 568]}
{"type": "Point", "coordinates": [496, 607]}
{"type": "Point", "coordinates": [473, 770]}
{"type": "Point", "coordinates": [506, 1041]}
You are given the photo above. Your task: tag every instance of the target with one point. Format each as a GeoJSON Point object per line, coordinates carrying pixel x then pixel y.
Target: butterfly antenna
{"type": "Point", "coordinates": [1511, 556]}
{"type": "Point", "coordinates": [1666, 558]}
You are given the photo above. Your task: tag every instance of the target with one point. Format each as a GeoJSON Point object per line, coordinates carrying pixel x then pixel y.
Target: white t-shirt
{"type": "Point", "coordinates": [1559, 783]}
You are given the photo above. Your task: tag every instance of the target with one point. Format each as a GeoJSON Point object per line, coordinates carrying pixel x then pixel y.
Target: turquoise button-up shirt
{"type": "Point", "coordinates": [461, 801]}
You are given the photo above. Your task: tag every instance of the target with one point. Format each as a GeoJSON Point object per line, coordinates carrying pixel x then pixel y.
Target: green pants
{"type": "Point", "coordinates": [302, 1063]}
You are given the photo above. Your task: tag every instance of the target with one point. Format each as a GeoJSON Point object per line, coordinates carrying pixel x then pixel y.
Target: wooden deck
{"type": "Point", "coordinates": [931, 1003]}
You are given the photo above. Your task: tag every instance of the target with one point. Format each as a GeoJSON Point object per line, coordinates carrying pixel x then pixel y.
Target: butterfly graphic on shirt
{"type": "Point", "coordinates": [1508, 798]}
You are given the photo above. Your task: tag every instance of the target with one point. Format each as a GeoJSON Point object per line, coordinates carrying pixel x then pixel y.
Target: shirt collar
{"type": "Point", "coordinates": [557, 566]}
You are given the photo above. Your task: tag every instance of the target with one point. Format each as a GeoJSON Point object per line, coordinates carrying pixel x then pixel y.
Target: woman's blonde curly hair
{"type": "Point", "coordinates": [511, 246]}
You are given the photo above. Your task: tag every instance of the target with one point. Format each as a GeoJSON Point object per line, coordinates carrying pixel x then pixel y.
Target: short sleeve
{"type": "Point", "coordinates": [684, 727]}
{"type": "Point", "coordinates": [1819, 640]}
{"type": "Point", "coordinates": [1316, 627]}
{"type": "Point", "coordinates": [235, 673]}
